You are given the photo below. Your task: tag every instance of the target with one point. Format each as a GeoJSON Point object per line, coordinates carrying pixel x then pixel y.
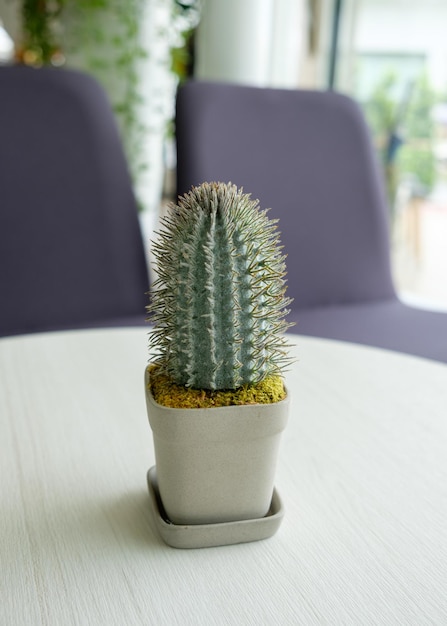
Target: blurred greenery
{"type": "Point", "coordinates": [404, 132]}
{"type": "Point", "coordinates": [40, 43]}
{"type": "Point", "coordinates": [103, 37]}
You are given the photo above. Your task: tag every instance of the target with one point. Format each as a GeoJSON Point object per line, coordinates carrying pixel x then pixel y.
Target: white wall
{"type": "Point", "coordinates": [255, 42]}
{"type": "Point", "coordinates": [10, 16]}
{"type": "Point", "coordinates": [6, 45]}
{"type": "Point", "coordinates": [404, 26]}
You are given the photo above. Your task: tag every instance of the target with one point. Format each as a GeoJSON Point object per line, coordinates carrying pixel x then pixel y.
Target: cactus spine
{"type": "Point", "coordinates": [218, 304]}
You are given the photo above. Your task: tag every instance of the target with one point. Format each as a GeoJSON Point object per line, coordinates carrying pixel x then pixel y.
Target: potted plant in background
{"type": "Point", "coordinates": [215, 393]}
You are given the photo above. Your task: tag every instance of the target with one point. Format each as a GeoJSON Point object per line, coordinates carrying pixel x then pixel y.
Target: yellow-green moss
{"type": "Point", "coordinates": [168, 393]}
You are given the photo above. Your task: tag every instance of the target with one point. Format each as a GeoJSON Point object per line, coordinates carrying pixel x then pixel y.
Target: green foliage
{"type": "Point", "coordinates": [418, 121]}
{"type": "Point", "coordinates": [410, 118]}
{"type": "Point", "coordinates": [218, 305]}
{"type": "Point", "coordinates": [187, 15]}
{"type": "Point", "coordinates": [181, 56]}
{"type": "Point", "coordinates": [102, 37]}
{"type": "Point", "coordinates": [380, 111]}
{"type": "Point", "coordinates": [416, 156]}
{"type": "Point", "coordinates": [421, 163]}
{"type": "Point", "coordinates": [40, 44]}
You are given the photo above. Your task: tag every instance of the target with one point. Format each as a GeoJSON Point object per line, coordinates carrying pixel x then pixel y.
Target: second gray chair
{"type": "Point", "coordinates": [308, 156]}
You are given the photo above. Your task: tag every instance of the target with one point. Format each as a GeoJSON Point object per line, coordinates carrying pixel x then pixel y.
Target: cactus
{"type": "Point", "coordinates": [218, 304]}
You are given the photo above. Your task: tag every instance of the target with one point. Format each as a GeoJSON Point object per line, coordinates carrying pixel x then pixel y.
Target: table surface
{"type": "Point", "coordinates": [362, 473]}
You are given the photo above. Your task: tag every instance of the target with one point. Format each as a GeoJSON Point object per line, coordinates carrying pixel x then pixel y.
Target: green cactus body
{"type": "Point", "coordinates": [218, 304]}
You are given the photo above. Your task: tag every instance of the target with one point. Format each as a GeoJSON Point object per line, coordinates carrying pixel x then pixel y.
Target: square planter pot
{"type": "Point", "coordinates": [216, 465]}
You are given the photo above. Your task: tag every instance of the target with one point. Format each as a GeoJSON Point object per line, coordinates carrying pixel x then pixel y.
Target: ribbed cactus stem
{"type": "Point", "coordinates": [218, 304]}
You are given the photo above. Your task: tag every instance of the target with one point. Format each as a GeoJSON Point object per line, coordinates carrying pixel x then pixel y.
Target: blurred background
{"type": "Point", "coordinates": [389, 55]}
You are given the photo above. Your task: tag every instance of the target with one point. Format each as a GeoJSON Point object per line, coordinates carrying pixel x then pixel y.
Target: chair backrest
{"type": "Point", "coordinates": [308, 156]}
{"type": "Point", "coordinates": [70, 244]}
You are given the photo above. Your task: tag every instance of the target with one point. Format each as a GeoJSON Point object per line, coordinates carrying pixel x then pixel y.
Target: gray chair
{"type": "Point", "coordinates": [309, 157]}
{"type": "Point", "coordinates": [71, 253]}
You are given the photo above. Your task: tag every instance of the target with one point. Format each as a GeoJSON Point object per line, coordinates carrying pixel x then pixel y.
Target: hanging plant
{"type": "Point", "coordinates": [104, 38]}
{"type": "Point", "coordinates": [40, 43]}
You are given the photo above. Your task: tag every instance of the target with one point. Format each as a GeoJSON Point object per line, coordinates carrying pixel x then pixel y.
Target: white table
{"type": "Point", "coordinates": [362, 473]}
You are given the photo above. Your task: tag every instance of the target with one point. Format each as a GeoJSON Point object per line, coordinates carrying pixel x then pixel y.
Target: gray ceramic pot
{"type": "Point", "coordinates": [216, 465]}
